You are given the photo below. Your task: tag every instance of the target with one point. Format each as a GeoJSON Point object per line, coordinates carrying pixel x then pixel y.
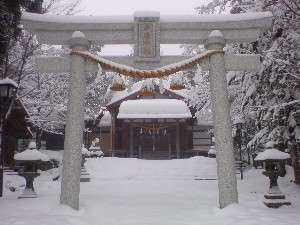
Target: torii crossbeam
{"type": "Point", "coordinates": [147, 30]}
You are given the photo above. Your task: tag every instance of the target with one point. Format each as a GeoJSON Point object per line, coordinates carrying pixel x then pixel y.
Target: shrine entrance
{"type": "Point", "coordinates": [157, 127]}
{"type": "Point", "coordinates": [153, 141]}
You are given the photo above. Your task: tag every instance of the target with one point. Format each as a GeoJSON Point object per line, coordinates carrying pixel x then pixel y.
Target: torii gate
{"type": "Point", "coordinates": [147, 30]}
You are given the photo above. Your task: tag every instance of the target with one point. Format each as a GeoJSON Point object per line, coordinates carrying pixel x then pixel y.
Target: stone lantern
{"type": "Point", "coordinates": [294, 144]}
{"type": "Point", "coordinates": [84, 175]}
{"type": "Point", "coordinates": [7, 89]}
{"type": "Point", "coordinates": [30, 159]}
{"type": "Point", "coordinates": [272, 159]}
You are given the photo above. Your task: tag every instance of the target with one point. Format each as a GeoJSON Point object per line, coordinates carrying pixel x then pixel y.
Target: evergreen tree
{"type": "Point", "coordinates": [10, 15]}
{"type": "Point", "coordinates": [267, 99]}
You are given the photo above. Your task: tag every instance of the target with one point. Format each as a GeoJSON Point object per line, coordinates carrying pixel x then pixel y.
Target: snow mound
{"type": "Point", "coordinates": [54, 154]}
{"type": "Point", "coordinates": [31, 154]}
{"type": "Point", "coordinates": [85, 151]}
{"type": "Point", "coordinates": [8, 81]}
{"type": "Point", "coordinates": [272, 154]}
{"type": "Point", "coordinates": [105, 121]}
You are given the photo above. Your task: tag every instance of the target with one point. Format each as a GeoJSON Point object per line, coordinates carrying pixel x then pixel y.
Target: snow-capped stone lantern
{"type": "Point", "coordinates": [148, 87]}
{"type": "Point", "coordinates": [7, 88]}
{"type": "Point", "coordinates": [294, 144]}
{"type": "Point", "coordinates": [30, 159]}
{"type": "Point", "coordinates": [212, 152]}
{"type": "Point", "coordinates": [84, 175]}
{"type": "Point", "coordinates": [176, 82]}
{"type": "Point", "coordinates": [118, 84]}
{"type": "Point", "coordinates": [272, 159]}
{"type": "Point", "coordinates": [85, 154]}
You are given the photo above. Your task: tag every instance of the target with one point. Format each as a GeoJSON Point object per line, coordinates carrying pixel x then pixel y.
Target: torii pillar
{"type": "Point", "coordinates": [70, 185]}
{"type": "Point", "coordinates": [227, 182]}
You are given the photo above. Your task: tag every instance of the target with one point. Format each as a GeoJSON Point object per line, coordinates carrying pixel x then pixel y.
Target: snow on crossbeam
{"type": "Point", "coordinates": [175, 29]}
{"type": "Point", "coordinates": [154, 109]}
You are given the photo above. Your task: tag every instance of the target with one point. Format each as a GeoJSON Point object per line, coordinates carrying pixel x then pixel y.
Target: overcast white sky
{"type": "Point", "coordinates": [128, 7]}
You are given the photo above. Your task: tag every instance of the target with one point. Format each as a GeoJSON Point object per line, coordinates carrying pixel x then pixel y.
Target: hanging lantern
{"type": "Point", "coordinates": [118, 84]}
{"type": "Point", "coordinates": [148, 88]}
{"type": "Point", "coordinates": [176, 82]}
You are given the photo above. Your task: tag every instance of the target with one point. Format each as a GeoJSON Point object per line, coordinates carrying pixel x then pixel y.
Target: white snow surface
{"type": "Point", "coordinates": [9, 81]}
{"type": "Point", "coordinates": [105, 121]}
{"type": "Point", "coordinates": [78, 34]}
{"type": "Point", "coordinates": [150, 192]}
{"type": "Point", "coordinates": [146, 14]}
{"type": "Point", "coordinates": [85, 151]}
{"type": "Point", "coordinates": [31, 154]}
{"type": "Point", "coordinates": [272, 153]}
{"type": "Point", "coordinates": [56, 155]}
{"type": "Point", "coordinates": [212, 150]}
{"type": "Point", "coordinates": [215, 33]}
{"type": "Point", "coordinates": [129, 18]}
{"type": "Point", "coordinates": [50, 18]}
{"type": "Point", "coordinates": [153, 108]}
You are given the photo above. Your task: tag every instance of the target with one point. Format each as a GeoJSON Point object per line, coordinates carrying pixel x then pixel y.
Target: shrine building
{"type": "Point", "coordinates": [152, 125]}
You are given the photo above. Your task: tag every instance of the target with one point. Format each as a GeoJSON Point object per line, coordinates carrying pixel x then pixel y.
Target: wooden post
{"type": "Point", "coordinates": [131, 140]}
{"type": "Point", "coordinates": [178, 153]}
{"type": "Point", "coordinates": [113, 133]}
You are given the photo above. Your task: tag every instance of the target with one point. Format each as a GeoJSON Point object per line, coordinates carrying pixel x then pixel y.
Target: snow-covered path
{"type": "Point", "coordinates": [146, 192]}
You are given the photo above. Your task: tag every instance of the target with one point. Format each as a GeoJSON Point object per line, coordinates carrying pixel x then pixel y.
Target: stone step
{"type": "Point", "coordinates": [155, 155]}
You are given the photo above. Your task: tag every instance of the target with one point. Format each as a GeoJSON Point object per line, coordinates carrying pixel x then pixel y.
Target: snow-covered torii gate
{"type": "Point", "coordinates": [147, 30]}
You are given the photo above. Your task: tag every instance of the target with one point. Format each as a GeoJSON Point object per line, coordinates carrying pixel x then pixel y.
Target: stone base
{"type": "Point", "coordinates": [276, 203]}
{"type": "Point", "coordinates": [28, 193]}
{"type": "Point", "coordinates": [85, 179]}
{"type": "Point", "coordinates": [275, 198]}
{"type": "Point", "coordinates": [84, 175]}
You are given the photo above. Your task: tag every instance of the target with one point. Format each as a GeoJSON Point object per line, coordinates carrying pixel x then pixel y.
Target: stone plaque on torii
{"type": "Point", "coordinates": [147, 30]}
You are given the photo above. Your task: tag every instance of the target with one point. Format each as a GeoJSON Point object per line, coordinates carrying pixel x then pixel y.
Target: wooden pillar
{"type": "Point", "coordinates": [131, 140]}
{"type": "Point", "coordinates": [178, 153]}
{"type": "Point", "coordinates": [113, 133]}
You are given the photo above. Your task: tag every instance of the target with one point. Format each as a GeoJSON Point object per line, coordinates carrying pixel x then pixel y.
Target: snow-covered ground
{"type": "Point", "coordinates": [146, 192]}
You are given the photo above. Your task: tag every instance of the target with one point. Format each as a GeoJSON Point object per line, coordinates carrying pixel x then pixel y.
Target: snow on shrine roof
{"type": "Point", "coordinates": [272, 154]}
{"type": "Point", "coordinates": [136, 87]}
{"type": "Point", "coordinates": [154, 109]}
{"type": "Point", "coordinates": [8, 81]}
{"type": "Point", "coordinates": [105, 121]}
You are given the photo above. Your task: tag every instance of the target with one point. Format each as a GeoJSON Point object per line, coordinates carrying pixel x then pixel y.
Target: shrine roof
{"type": "Point", "coordinates": [118, 96]}
{"type": "Point", "coordinates": [153, 109]}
